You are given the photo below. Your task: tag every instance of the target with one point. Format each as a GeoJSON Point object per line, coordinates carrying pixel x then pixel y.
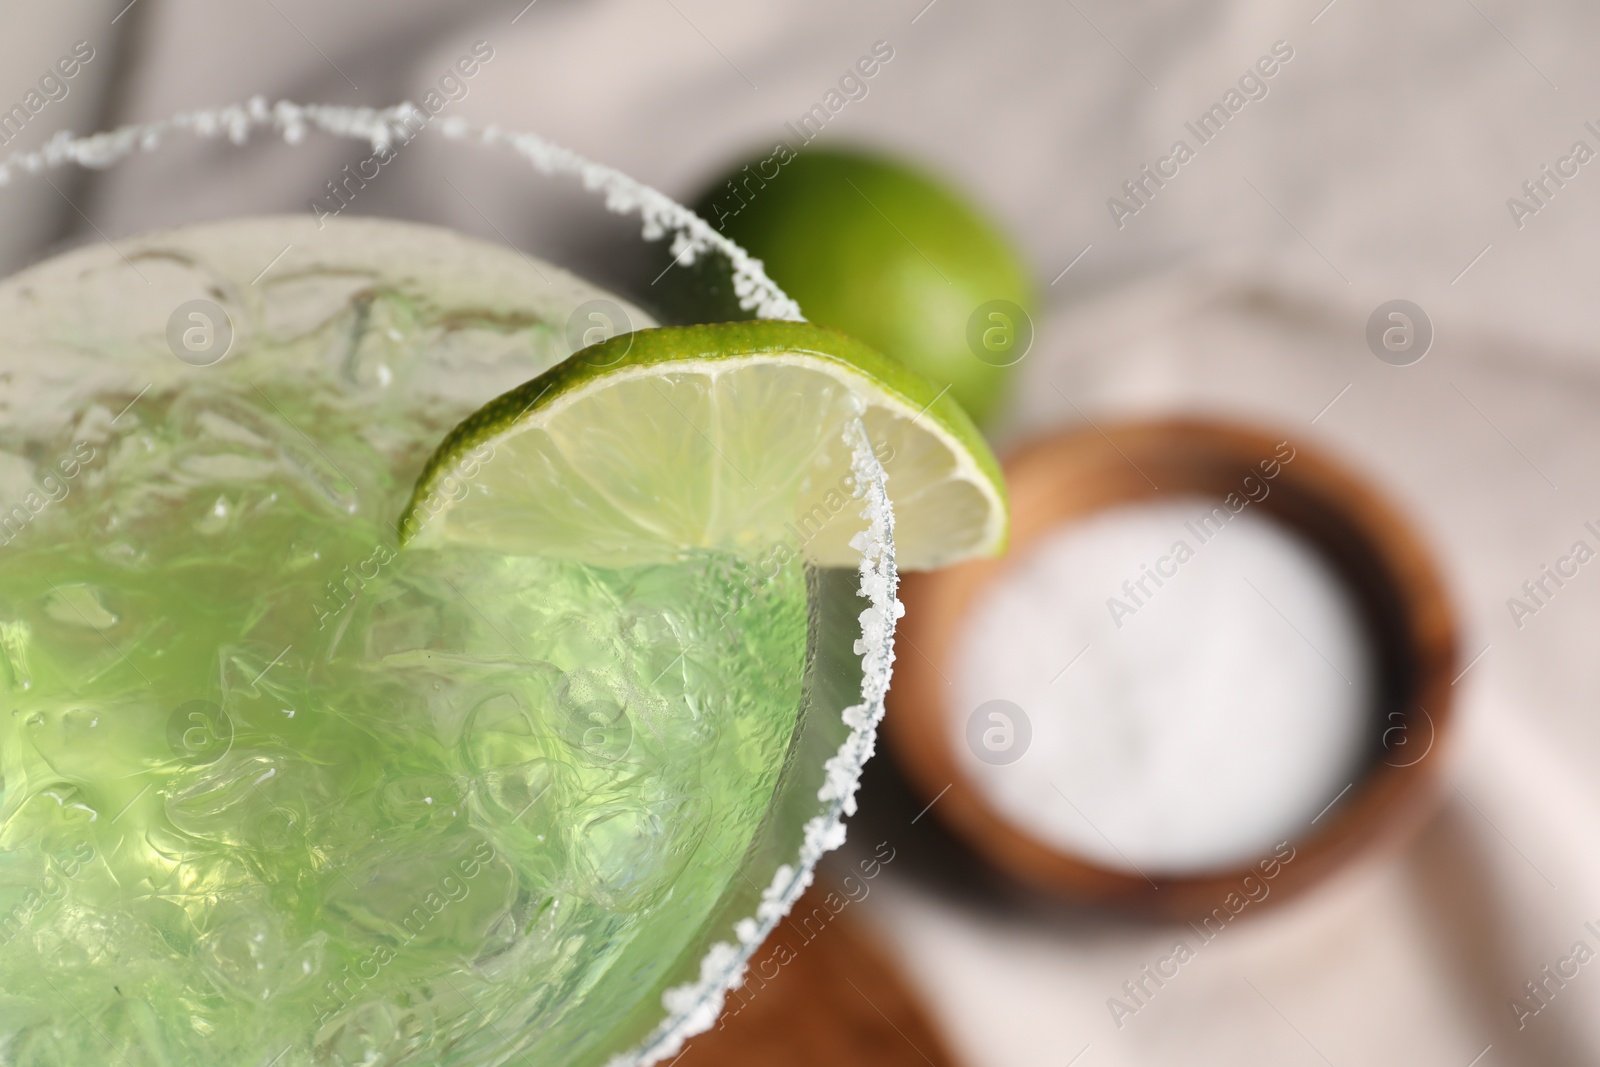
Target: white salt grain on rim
{"type": "Point", "coordinates": [1221, 700]}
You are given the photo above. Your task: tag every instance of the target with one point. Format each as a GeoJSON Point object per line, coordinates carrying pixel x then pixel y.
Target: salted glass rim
{"type": "Point", "coordinates": [693, 1007]}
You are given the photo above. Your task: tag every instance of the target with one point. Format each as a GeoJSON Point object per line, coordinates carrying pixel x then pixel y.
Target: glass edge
{"type": "Point", "coordinates": [691, 1008]}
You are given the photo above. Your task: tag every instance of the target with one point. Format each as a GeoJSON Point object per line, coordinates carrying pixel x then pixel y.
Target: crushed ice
{"type": "Point", "coordinates": [693, 1007]}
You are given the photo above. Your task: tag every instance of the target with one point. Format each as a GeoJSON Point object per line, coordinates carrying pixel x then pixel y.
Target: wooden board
{"type": "Point", "coordinates": [820, 994]}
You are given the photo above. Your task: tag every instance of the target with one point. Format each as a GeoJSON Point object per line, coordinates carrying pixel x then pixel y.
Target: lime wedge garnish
{"type": "Point", "coordinates": [728, 436]}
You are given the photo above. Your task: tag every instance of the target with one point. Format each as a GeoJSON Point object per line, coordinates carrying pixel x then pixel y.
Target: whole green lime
{"type": "Point", "coordinates": [890, 255]}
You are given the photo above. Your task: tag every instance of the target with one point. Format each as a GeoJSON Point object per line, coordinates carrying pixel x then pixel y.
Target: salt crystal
{"type": "Point", "coordinates": [1221, 700]}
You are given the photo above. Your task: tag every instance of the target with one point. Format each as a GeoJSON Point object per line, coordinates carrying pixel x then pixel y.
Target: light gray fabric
{"type": "Point", "coordinates": [33, 39]}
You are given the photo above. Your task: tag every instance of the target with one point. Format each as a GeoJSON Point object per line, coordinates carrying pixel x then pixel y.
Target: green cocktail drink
{"type": "Point", "coordinates": [336, 736]}
{"type": "Point", "coordinates": [274, 787]}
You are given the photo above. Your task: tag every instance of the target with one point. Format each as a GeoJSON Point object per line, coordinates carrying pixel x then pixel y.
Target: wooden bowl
{"type": "Point", "coordinates": [1398, 594]}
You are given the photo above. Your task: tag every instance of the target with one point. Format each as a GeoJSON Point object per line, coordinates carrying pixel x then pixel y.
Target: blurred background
{"type": "Point", "coordinates": [1385, 159]}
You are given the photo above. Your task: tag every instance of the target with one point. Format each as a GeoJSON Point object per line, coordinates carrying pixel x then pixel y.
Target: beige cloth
{"type": "Point", "coordinates": [1377, 166]}
{"type": "Point", "coordinates": [1412, 959]}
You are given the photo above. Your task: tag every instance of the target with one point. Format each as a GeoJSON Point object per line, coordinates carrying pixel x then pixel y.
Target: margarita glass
{"type": "Point", "coordinates": [281, 791]}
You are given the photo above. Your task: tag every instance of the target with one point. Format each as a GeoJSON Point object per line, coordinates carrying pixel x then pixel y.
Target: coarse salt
{"type": "Point", "coordinates": [1197, 686]}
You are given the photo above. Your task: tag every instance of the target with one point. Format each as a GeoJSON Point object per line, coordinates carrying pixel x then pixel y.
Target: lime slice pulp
{"type": "Point", "coordinates": [728, 436]}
